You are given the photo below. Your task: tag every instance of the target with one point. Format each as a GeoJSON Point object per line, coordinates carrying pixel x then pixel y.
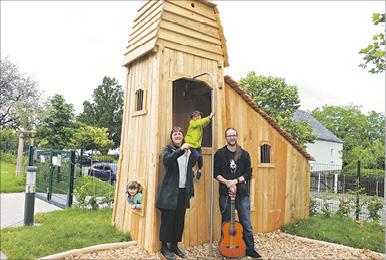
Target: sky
{"type": "Point", "coordinates": [69, 46]}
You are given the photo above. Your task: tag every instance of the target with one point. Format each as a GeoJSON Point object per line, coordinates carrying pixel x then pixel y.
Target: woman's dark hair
{"type": "Point", "coordinates": [176, 129]}
{"type": "Point", "coordinates": [238, 147]}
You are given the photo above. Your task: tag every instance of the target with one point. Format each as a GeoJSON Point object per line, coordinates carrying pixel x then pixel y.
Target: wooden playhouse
{"type": "Point", "coordinates": [170, 42]}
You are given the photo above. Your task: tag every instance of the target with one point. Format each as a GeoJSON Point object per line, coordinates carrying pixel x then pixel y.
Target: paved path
{"type": "Point", "coordinates": [12, 209]}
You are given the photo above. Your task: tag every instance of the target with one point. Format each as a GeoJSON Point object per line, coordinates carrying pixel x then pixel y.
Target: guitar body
{"type": "Point", "coordinates": [231, 243]}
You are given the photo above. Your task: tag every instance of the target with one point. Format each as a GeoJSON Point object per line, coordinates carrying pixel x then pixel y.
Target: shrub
{"type": "Point", "coordinates": [313, 207]}
{"type": "Point", "coordinates": [87, 198]}
{"type": "Point", "coordinates": [356, 194]}
{"type": "Point", "coordinates": [8, 157]}
{"type": "Point", "coordinates": [326, 209]}
{"type": "Point", "coordinates": [373, 174]}
{"type": "Point", "coordinates": [345, 207]}
{"type": "Point", "coordinates": [105, 158]}
{"type": "Point", "coordinates": [374, 205]}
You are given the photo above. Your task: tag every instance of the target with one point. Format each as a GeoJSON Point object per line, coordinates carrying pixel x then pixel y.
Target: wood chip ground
{"type": "Point", "coordinates": [274, 245]}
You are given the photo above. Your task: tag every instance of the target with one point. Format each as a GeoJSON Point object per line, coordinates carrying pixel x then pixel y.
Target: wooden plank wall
{"type": "Point", "coordinates": [177, 64]}
{"type": "Point", "coordinates": [139, 154]}
{"type": "Point", "coordinates": [280, 189]}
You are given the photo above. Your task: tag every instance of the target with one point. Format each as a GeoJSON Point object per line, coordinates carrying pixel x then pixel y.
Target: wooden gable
{"type": "Point", "coordinates": [190, 26]}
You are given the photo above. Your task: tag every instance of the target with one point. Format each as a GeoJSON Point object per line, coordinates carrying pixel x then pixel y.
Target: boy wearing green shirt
{"type": "Point", "coordinates": [194, 138]}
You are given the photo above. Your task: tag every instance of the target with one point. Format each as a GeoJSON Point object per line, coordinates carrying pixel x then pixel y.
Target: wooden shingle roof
{"type": "Point", "coordinates": [233, 84]}
{"type": "Point", "coordinates": [190, 26]}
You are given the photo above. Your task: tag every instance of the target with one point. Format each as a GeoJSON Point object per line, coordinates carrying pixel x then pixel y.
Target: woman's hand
{"type": "Point", "coordinates": [185, 146]}
{"type": "Point", "coordinates": [212, 115]}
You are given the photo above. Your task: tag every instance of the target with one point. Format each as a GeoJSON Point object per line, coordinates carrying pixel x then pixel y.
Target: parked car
{"type": "Point", "coordinates": [104, 171]}
{"type": "Point", "coordinates": [85, 159]}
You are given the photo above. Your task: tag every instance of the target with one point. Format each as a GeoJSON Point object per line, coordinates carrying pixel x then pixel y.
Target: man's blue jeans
{"type": "Point", "coordinates": [243, 207]}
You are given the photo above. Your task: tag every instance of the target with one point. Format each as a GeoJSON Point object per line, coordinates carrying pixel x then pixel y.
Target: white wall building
{"type": "Point", "coordinates": [327, 148]}
{"type": "Point", "coordinates": [327, 151]}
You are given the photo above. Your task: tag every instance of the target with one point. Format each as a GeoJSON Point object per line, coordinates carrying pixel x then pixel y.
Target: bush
{"type": "Point", "coordinates": [374, 174]}
{"type": "Point", "coordinates": [8, 140]}
{"type": "Point", "coordinates": [87, 198]}
{"type": "Point", "coordinates": [326, 209]}
{"type": "Point", "coordinates": [345, 207]}
{"type": "Point", "coordinates": [8, 157]}
{"type": "Point", "coordinates": [105, 158]}
{"type": "Point", "coordinates": [313, 207]}
{"type": "Point", "coordinates": [374, 205]}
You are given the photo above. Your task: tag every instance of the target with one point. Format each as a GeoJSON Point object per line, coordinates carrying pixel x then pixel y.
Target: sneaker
{"type": "Point", "coordinates": [169, 255]}
{"type": "Point", "coordinates": [253, 254]}
{"type": "Point", "coordinates": [177, 251]}
{"type": "Point", "coordinates": [198, 175]}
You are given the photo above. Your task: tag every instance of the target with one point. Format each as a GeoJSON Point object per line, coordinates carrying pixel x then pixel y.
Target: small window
{"type": "Point", "coordinates": [265, 153]}
{"type": "Point", "coordinates": [139, 100]}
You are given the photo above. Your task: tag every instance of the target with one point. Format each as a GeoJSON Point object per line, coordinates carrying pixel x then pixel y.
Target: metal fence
{"type": "Point", "coordinates": [96, 175]}
{"type": "Point", "coordinates": [354, 191]}
{"type": "Point", "coordinates": [331, 178]}
{"type": "Point", "coordinates": [60, 174]}
{"type": "Point", "coordinates": [54, 177]}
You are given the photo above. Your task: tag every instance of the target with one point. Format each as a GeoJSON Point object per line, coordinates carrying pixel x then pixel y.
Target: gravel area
{"type": "Point", "coordinates": [274, 245]}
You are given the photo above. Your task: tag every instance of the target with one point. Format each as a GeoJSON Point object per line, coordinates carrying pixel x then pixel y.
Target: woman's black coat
{"type": "Point", "coordinates": [168, 193]}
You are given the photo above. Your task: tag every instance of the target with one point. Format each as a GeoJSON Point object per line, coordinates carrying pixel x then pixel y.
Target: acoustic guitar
{"type": "Point", "coordinates": [231, 243]}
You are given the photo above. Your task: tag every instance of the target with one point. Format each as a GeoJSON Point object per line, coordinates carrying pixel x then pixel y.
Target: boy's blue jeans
{"type": "Point", "coordinates": [243, 207]}
{"type": "Point", "coordinates": [196, 156]}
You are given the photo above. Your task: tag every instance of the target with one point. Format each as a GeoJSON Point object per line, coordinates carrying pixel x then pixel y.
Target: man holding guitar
{"type": "Point", "coordinates": [232, 168]}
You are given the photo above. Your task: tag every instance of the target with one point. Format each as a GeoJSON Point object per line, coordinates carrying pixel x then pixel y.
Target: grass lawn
{"type": "Point", "coordinates": [340, 230]}
{"type": "Point", "coordinates": [9, 182]}
{"type": "Point", "coordinates": [60, 231]}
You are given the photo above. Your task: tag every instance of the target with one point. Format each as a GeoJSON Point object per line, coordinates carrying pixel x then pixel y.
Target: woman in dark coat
{"type": "Point", "coordinates": [175, 193]}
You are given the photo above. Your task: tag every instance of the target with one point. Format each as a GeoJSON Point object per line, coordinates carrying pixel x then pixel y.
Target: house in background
{"type": "Point", "coordinates": [326, 151]}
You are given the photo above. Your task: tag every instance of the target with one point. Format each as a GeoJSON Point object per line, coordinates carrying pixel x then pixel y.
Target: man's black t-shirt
{"type": "Point", "coordinates": [226, 166]}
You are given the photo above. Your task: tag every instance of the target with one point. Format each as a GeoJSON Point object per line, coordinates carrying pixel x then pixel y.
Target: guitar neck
{"type": "Point", "coordinates": [232, 227]}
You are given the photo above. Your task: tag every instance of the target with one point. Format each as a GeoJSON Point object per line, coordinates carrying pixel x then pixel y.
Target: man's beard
{"type": "Point", "coordinates": [232, 144]}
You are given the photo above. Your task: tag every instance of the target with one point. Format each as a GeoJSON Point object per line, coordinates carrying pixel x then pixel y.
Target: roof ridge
{"type": "Point", "coordinates": [322, 132]}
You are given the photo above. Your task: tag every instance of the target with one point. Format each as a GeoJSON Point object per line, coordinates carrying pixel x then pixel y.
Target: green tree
{"type": "Point", "coordinates": [92, 138]}
{"type": "Point", "coordinates": [374, 53]}
{"type": "Point", "coordinates": [58, 127]}
{"type": "Point", "coordinates": [363, 134]}
{"type": "Point", "coordinates": [8, 140]}
{"type": "Point", "coordinates": [106, 109]}
{"type": "Point", "coordinates": [19, 98]}
{"type": "Point", "coordinates": [280, 101]}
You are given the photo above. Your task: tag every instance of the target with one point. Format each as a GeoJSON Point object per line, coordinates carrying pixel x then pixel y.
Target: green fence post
{"type": "Point", "coordinates": [357, 208]}
{"type": "Point", "coordinates": [71, 179]}
{"type": "Point", "coordinates": [80, 159]}
{"type": "Point", "coordinates": [49, 192]}
{"type": "Point", "coordinates": [30, 155]}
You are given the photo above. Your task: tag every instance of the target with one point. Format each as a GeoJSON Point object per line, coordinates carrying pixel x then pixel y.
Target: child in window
{"type": "Point", "coordinates": [134, 194]}
{"type": "Point", "coordinates": [194, 138]}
